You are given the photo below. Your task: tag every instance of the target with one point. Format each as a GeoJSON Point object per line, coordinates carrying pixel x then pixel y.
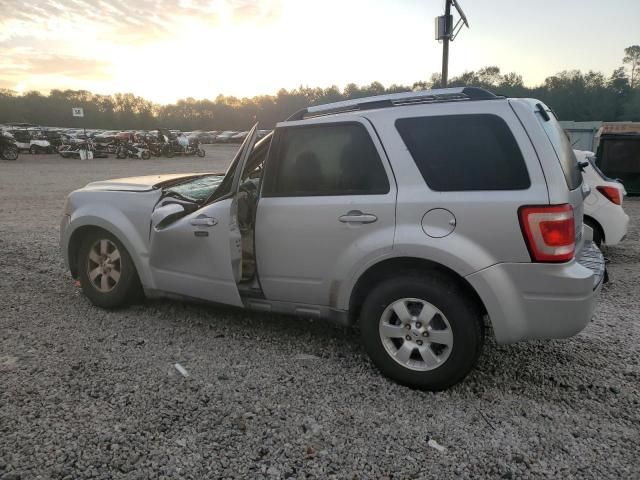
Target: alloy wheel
{"type": "Point", "coordinates": [104, 265]}
{"type": "Point", "coordinates": [416, 334]}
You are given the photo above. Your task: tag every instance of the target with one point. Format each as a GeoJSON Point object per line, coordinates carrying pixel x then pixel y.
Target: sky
{"type": "Point", "coordinates": [165, 50]}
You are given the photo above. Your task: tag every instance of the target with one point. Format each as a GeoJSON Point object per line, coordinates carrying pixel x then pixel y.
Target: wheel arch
{"type": "Point", "coordinates": [404, 265]}
{"type": "Point", "coordinates": [590, 220]}
{"type": "Point", "coordinates": [80, 232]}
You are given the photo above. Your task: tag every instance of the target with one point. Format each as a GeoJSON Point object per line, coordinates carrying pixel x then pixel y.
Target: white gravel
{"type": "Point", "coordinates": [86, 393]}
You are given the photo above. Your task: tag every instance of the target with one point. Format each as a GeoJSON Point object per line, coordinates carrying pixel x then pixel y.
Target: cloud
{"type": "Point", "coordinates": [127, 21]}
{"type": "Point", "coordinates": [21, 65]}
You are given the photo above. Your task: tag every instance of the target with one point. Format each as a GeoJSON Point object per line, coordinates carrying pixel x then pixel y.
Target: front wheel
{"type": "Point", "coordinates": [10, 153]}
{"type": "Point", "coordinates": [422, 331]}
{"type": "Point", "coordinates": [201, 152]}
{"type": "Point", "coordinates": [107, 274]}
{"type": "Point", "coordinates": [145, 155]}
{"type": "Point", "coordinates": [33, 150]}
{"type": "Point", "coordinates": [121, 153]}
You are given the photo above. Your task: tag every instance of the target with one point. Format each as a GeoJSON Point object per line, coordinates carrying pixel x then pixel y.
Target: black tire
{"type": "Point", "coordinates": [598, 236]}
{"type": "Point", "coordinates": [145, 155]}
{"type": "Point", "coordinates": [10, 153]}
{"type": "Point", "coordinates": [33, 150]}
{"type": "Point", "coordinates": [201, 153]}
{"type": "Point", "coordinates": [121, 153]}
{"type": "Point", "coordinates": [463, 315]}
{"type": "Point", "coordinates": [169, 152]}
{"type": "Point", "coordinates": [126, 290]}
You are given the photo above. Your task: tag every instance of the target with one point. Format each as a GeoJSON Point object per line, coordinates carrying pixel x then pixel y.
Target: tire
{"type": "Point", "coordinates": [10, 153]}
{"type": "Point", "coordinates": [201, 152]}
{"type": "Point", "coordinates": [598, 236]}
{"type": "Point", "coordinates": [121, 154]}
{"type": "Point", "coordinates": [145, 155]}
{"type": "Point", "coordinates": [451, 318]}
{"type": "Point", "coordinates": [105, 289]}
{"type": "Point", "coordinates": [169, 153]}
{"type": "Point", "coordinates": [33, 150]}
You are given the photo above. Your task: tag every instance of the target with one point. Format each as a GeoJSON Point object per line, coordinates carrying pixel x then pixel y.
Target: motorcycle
{"type": "Point", "coordinates": [158, 149]}
{"type": "Point", "coordinates": [192, 149]}
{"type": "Point", "coordinates": [132, 150]}
{"type": "Point", "coordinates": [80, 149]}
{"type": "Point", "coordinates": [8, 147]}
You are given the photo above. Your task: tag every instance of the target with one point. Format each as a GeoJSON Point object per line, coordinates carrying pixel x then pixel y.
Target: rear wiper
{"type": "Point", "coordinates": [543, 113]}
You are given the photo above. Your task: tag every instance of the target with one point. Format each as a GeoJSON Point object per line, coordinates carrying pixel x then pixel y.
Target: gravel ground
{"type": "Point", "coordinates": [86, 393]}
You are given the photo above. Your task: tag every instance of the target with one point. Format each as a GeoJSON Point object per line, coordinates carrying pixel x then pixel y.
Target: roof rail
{"type": "Point", "coordinates": [396, 99]}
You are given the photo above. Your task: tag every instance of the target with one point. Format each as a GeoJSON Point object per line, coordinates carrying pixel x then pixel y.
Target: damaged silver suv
{"type": "Point", "coordinates": [422, 216]}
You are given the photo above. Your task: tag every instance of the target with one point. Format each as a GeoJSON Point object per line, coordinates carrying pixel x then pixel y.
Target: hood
{"type": "Point", "coordinates": [140, 184]}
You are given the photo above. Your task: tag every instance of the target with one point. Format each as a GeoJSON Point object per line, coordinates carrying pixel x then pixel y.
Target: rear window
{"type": "Point", "coordinates": [465, 152]}
{"type": "Point", "coordinates": [562, 147]}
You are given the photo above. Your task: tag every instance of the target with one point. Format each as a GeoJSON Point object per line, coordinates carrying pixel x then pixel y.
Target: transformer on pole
{"type": "Point", "coordinates": [447, 32]}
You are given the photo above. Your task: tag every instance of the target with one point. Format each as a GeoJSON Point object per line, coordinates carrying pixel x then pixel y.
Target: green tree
{"type": "Point", "coordinates": [632, 58]}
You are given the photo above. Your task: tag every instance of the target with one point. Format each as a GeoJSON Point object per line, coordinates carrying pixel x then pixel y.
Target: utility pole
{"type": "Point", "coordinates": [447, 32]}
{"type": "Point", "coordinates": [445, 41]}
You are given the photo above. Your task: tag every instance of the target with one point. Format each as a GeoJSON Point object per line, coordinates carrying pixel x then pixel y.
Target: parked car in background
{"type": "Point", "coordinates": [238, 137]}
{"type": "Point", "coordinates": [201, 137]}
{"type": "Point", "coordinates": [225, 136]}
{"type": "Point", "coordinates": [25, 140]}
{"type": "Point", "coordinates": [603, 210]}
{"type": "Point", "coordinates": [416, 215]}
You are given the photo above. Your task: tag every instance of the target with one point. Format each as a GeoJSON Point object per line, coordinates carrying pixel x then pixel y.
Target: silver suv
{"type": "Point", "coordinates": [421, 216]}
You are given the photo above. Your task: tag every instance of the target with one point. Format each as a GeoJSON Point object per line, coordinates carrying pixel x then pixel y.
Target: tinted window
{"type": "Point", "coordinates": [465, 152]}
{"type": "Point", "coordinates": [563, 149]}
{"type": "Point", "coordinates": [326, 160]}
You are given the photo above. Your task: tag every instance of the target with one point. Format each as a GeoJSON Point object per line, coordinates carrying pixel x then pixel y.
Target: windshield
{"type": "Point", "coordinates": [199, 189]}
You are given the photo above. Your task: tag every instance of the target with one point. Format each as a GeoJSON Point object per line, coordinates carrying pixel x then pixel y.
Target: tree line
{"type": "Point", "coordinates": [573, 95]}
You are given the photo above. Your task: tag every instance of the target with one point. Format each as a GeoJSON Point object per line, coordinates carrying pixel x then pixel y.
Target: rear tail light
{"type": "Point", "coordinates": [549, 231]}
{"type": "Point", "coordinates": [611, 193]}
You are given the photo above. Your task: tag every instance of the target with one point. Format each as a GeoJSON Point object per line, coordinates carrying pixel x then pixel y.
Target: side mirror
{"type": "Point", "coordinates": [583, 165]}
{"type": "Point", "coordinates": [165, 214]}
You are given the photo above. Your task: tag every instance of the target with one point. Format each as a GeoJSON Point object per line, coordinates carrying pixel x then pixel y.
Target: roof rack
{"type": "Point", "coordinates": [395, 99]}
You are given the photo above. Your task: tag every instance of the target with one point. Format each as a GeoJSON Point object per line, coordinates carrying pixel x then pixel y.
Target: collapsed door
{"type": "Point", "coordinates": [197, 252]}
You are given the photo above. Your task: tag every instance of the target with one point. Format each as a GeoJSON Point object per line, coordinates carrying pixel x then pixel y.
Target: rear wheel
{"type": "Point", "coordinates": [121, 153]}
{"type": "Point", "coordinates": [33, 150]}
{"type": "Point", "coordinates": [107, 274]}
{"type": "Point", "coordinates": [201, 152]}
{"type": "Point", "coordinates": [145, 155]}
{"type": "Point", "coordinates": [169, 152]}
{"type": "Point", "coordinates": [422, 331]}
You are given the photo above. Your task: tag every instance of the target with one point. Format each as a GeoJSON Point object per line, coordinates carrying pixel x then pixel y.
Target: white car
{"type": "Point", "coordinates": [603, 206]}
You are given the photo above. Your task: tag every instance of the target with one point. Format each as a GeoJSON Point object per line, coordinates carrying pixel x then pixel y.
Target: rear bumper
{"type": "Point", "coordinates": [528, 301]}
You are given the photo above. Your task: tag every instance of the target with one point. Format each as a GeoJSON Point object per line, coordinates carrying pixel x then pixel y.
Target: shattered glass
{"type": "Point", "coordinates": [198, 189]}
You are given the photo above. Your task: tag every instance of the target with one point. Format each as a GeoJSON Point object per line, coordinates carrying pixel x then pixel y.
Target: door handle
{"type": "Point", "coordinates": [203, 221]}
{"type": "Point", "coordinates": [356, 216]}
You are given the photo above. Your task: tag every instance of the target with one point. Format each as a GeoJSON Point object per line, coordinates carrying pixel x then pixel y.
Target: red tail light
{"type": "Point", "coordinates": [549, 231]}
{"type": "Point", "coordinates": [611, 193]}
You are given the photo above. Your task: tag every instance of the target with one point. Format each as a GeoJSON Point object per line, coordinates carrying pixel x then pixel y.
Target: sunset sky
{"type": "Point", "coordinates": [170, 49]}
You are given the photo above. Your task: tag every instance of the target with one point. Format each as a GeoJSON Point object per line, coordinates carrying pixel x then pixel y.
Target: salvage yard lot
{"type": "Point", "coordinates": [86, 393]}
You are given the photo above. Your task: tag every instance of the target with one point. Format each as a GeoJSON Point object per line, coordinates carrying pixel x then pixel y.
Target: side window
{"type": "Point", "coordinates": [465, 152]}
{"type": "Point", "coordinates": [337, 159]}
